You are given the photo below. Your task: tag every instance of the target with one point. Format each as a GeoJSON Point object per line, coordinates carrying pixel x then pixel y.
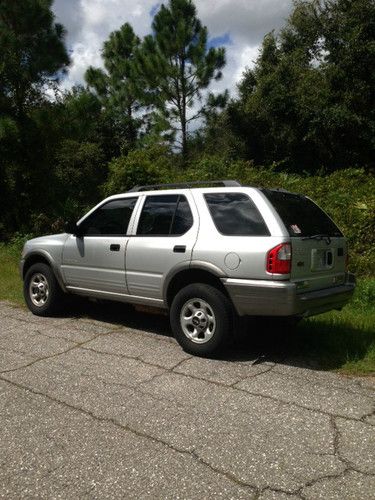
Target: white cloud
{"type": "Point", "coordinates": [89, 23]}
{"type": "Point", "coordinates": [246, 20]}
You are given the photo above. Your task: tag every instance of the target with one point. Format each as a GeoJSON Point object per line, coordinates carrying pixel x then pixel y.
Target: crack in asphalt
{"type": "Point", "coordinates": [129, 429]}
{"type": "Point", "coordinates": [43, 334]}
{"type": "Point", "coordinates": [35, 322]}
{"type": "Point", "coordinates": [14, 351]}
{"type": "Point", "coordinates": [55, 355]}
{"type": "Point", "coordinates": [322, 384]}
{"type": "Point", "coordinates": [245, 377]}
{"type": "Point", "coordinates": [230, 476]}
{"type": "Point", "coordinates": [368, 415]}
{"type": "Point", "coordinates": [337, 436]}
{"type": "Point", "coordinates": [255, 490]}
{"type": "Point", "coordinates": [234, 386]}
{"type": "Point", "coordinates": [348, 466]}
{"type": "Point", "coordinates": [330, 477]}
{"type": "Point", "coordinates": [273, 398]}
{"type": "Point", "coordinates": [136, 358]}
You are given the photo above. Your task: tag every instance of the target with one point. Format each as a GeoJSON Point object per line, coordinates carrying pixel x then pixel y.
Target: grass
{"type": "Point", "coordinates": [340, 340]}
{"type": "Point", "coordinates": [10, 281]}
{"type": "Point", "coordinates": [343, 341]}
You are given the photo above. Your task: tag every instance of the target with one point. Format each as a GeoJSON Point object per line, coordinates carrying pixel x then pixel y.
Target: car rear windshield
{"type": "Point", "coordinates": [301, 216]}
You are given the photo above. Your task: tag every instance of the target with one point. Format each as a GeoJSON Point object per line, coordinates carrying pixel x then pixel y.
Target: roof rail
{"type": "Point", "coordinates": [185, 185]}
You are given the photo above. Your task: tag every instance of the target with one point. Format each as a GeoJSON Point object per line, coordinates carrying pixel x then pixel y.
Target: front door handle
{"type": "Point", "coordinates": [179, 249]}
{"type": "Point", "coordinates": [114, 247]}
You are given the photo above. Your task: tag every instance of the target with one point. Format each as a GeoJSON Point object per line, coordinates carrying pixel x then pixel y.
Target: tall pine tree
{"type": "Point", "coordinates": [116, 85]}
{"type": "Point", "coordinates": [32, 56]}
{"type": "Point", "coordinates": [32, 51]}
{"type": "Point", "coordinates": [176, 65]}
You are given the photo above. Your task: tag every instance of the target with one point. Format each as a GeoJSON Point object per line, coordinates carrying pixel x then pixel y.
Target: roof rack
{"type": "Point", "coordinates": [185, 185]}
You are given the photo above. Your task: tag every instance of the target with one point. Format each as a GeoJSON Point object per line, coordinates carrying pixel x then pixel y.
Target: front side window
{"type": "Point", "coordinates": [234, 214]}
{"type": "Point", "coordinates": [165, 215]}
{"type": "Point", "coordinates": [111, 219]}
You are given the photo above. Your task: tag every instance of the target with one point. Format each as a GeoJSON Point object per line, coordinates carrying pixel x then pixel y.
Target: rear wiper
{"type": "Point", "coordinates": [325, 237]}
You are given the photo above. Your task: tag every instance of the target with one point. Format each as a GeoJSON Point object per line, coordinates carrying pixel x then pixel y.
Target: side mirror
{"type": "Point", "coordinates": [73, 228]}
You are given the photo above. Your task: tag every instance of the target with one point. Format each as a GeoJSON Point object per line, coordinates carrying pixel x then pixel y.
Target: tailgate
{"type": "Point", "coordinates": [318, 264]}
{"type": "Point", "coordinates": [319, 248]}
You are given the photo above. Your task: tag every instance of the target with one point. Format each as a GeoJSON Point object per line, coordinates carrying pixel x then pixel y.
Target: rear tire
{"type": "Point", "coordinates": [41, 290]}
{"type": "Point", "coordinates": [201, 319]}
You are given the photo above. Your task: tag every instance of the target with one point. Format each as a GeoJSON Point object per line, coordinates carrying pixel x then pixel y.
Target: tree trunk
{"type": "Point", "coordinates": [183, 111]}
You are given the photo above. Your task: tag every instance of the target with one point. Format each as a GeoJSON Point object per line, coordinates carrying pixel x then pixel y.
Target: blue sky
{"type": "Point", "coordinates": [220, 41]}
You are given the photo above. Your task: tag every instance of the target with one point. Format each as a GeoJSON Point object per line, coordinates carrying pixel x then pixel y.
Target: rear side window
{"type": "Point", "coordinates": [183, 218]}
{"type": "Point", "coordinates": [165, 215]}
{"type": "Point", "coordinates": [111, 219]}
{"type": "Point", "coordinates": [234, 214]}
{"type": "Point", "coordinates": [301, 216]}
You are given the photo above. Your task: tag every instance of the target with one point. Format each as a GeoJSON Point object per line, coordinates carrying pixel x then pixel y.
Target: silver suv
{"type": "Point", "coordinates": [206, 254]}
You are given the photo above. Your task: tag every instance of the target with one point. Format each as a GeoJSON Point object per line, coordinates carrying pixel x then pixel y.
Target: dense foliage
{"type": "Point", "coordinates": [306, 108]}
{"type": "Point", "coordinates": [309, 100]}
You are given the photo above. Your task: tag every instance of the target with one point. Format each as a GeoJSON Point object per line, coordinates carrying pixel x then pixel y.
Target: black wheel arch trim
{"type": "Point", "coordinates": [190, 264]}
{"type": "Point", "coordinates": [46, 257]}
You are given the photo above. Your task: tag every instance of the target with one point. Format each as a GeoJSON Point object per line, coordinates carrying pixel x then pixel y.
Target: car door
{"type": "Point", "coordinates": [96, 260]}
{"type": "Point", "coordinates": [163, 237]}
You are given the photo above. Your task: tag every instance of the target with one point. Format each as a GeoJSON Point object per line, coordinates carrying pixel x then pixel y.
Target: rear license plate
{"type": "Point", "coordinates": [321, 259]}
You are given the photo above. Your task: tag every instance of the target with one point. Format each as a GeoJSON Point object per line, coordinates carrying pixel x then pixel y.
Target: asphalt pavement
{"type": "Point", "coordinates": [103, 403]}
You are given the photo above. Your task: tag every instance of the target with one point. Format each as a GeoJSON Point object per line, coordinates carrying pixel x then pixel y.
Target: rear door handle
{"type": "Point", "coordinates": [114, 247]}
{"type": "Point", "coordinates": [179, 249]}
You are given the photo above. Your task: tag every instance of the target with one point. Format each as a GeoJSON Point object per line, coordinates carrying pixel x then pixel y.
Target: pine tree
{"type": "Point", "coordinates": [176, 65]}
{"type": "Point", "coordinates": [32, 51]}
{"type": "Point", "coordinates": [116, 86]}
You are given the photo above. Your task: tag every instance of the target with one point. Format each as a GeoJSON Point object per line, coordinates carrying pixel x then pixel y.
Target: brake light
{"type": "Point", "coordinates": [279, 259]}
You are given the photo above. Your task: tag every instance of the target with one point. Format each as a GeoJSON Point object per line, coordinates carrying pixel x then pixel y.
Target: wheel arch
{"type": "Point", "coordinates": [45, 258]}
{"type": "Point", "coordinates": [194, 272]}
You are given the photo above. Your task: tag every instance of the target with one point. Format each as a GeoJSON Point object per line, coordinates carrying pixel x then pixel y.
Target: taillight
{"type": "Point", "coordinates": [279, 259]}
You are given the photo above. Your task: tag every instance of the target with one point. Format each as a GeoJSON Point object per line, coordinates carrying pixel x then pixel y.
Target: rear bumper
{"type": "Point", "coordinates": [280, 298]}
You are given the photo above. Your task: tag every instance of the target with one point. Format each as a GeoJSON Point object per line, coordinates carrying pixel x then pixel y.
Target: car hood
{"type": "Point", "coordinates": [50, 238]}
{"type": "Point", "coordinates": [51, 244]}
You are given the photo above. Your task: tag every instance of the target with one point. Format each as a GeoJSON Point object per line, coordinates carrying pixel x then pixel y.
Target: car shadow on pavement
{"type": "Point", "coordinates": [316, 345]}
{"type": "Point", "coordinates": [143, 318]}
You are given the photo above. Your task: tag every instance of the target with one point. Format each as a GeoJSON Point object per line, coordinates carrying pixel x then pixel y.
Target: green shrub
{"type": "Point", "coordinates": [15, 245]}
{"type": "Point", "coordinates": [364, 297]}
{"type": "Point", "coordinates": [145, 166]}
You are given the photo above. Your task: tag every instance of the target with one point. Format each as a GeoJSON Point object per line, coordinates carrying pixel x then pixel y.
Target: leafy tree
{"type": "Point", "coordinates": [116, 86]}
{"type": "Point", "coordinates": [79, 170]}
{"type": "Point", "coordinates": [176, 65]}
{"type": "Point", "coordinates": [308, 102]}
{"type": "Point", "coordinates": [32, 54]}
{"type": "Point", "coordinates": [32, 50]}
{"type": "Point", "coordinates": [151, 165]}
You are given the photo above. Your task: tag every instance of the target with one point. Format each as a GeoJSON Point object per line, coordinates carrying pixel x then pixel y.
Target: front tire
{"type": "Point", "coordinates": [201, 319]}
{"type": "Point", "coordinates": [41, 290]}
